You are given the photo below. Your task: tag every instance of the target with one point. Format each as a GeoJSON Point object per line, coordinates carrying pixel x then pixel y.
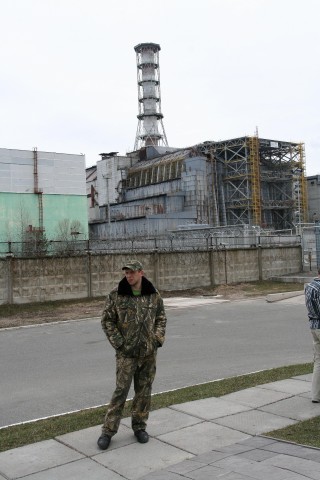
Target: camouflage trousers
{"type": "Point", "coordinates": [142, 371]}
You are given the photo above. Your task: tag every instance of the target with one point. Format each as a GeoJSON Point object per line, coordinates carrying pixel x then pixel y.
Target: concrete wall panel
{"type": "Point", "coordinates": [25, 280]}
{"type": "Point", "coordinates": [58, 173]}
{"type": "Point", "coordinates": [38, 280]}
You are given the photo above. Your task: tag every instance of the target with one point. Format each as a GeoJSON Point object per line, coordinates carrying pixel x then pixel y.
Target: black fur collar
{"type": "Point", "coordinates": [146, 287]}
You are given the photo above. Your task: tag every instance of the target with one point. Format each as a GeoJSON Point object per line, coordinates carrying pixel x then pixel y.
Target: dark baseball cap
{"type": "Point", "coordinates": [133, 265]}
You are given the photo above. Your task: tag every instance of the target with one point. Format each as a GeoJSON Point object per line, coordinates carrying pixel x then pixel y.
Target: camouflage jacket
{"type": "Point", "coordinates": [135, 326]}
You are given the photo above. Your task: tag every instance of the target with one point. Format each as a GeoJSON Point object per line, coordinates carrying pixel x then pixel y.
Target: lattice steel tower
{"type": "Point", "coordinates": [150, 130]}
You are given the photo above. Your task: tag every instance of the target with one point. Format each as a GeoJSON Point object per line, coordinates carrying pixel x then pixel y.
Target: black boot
{"type": "Point", "coordinates": [142, 436]}
{"type": "Point", "coordinates": [104, 441]}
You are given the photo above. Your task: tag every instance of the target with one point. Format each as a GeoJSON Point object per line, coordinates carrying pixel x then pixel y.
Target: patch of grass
{"type": "Point", "coordinates": [19, 435]}
{"type": "Point", "coordinates": [238, 290]}
{"type": "Point", "coordinates": [228, 385]}
{"type": "Point", "coordinates": [304, 433]}
{"type": "Point", "coordinates": [266, 287]}
{"type": "Point", "coordinates": [7, 310]}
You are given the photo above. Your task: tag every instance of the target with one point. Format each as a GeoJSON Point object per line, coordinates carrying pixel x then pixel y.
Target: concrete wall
{"type": "Point", "coordinates": [56, 278]}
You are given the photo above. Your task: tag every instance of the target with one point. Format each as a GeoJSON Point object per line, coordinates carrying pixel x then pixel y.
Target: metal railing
{"type": "Point", "coordinates": [180, 241]}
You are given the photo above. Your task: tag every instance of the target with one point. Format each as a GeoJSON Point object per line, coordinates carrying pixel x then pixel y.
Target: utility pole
{"type": "Point", "coordinates": [107, 178]}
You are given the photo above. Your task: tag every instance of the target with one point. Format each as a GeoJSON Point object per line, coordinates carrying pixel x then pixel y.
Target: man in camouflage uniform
{"type": "Point", "coordinates": [134, 321]}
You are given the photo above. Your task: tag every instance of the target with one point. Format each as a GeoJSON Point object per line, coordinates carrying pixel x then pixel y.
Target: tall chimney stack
{"type": "Point", "coordinates": [150, 130]}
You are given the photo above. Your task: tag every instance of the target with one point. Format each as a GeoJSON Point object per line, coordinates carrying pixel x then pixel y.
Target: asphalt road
{"type": "Point", "coordinates": [51, 369]}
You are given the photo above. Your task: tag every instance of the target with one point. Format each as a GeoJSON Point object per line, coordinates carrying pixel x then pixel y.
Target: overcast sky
{"type": "Point", "coordinates": [68, 78]}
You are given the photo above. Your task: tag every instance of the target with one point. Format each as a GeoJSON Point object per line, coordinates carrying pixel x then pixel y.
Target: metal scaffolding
{"type": "Point", "coordinates": [256, 181]}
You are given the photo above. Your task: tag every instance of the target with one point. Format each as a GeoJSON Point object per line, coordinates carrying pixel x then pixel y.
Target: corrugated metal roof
{"type": "Point", "coordinates": [171, 157]}
{"type": "Point", "coordinates": [91, 174]}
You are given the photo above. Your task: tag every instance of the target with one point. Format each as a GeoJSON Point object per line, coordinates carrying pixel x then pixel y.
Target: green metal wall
{"type": "Point", "coordinates": [19, 210]}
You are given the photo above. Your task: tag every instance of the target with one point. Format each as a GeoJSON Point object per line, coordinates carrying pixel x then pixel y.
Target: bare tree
{"type": "Point", "coordinates": [68, 233]}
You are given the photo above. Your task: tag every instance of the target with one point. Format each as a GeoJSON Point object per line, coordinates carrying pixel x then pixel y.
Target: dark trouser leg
{"type": "Point", "coordinates": [125, 368]}
{"type": "Point", "coordinates": [315, 391]}
{"type": "Point", "coordinates": [143, 379]}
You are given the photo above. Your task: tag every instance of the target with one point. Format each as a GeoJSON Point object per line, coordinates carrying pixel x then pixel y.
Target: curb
{"type": "Point", "coordinates": [275, 297]}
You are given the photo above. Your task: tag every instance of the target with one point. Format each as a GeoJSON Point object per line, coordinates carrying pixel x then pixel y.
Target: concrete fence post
{"type": "Point", "coordinates": [10, 279]}
{"type": "Point", "coordinates": [89, 275]}
{"type": "Point", "coordinates": [211, 267]}
{"type": "Point", "coordinates": [225, 266]}
{"type": "Point", "coordinates": [260, 263]}
{"type": "Point", "coordinates": [156, 268]}
{"type": "Point", "coordinates": [301, 257]}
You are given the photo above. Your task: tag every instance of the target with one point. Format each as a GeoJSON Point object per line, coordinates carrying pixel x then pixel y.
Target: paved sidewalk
{"type": "Point", "coordinates": [214, 438]}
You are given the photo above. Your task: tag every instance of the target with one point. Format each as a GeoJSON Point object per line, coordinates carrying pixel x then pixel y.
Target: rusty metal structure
{"type": "Point", "coordinates": [256, 181]}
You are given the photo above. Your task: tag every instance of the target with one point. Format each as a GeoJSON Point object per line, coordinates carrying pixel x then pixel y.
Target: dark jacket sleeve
{"type": "Point", "coordinates": [160, 323]}
{"type": "Point", "coordinates": [109, 322]}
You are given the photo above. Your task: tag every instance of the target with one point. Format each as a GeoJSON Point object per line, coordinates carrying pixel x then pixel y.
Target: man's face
{"type": "Point", "coordinates": [133, 277]}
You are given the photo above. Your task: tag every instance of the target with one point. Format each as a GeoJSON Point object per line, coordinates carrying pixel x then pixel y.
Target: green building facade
{"type": "Point", "coordinates": [42, 194]}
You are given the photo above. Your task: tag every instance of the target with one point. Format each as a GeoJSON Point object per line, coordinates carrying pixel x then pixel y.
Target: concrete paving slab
{"type": "Point", "coordinates": [255, 397]}
{"type": "Point", "coordinates": [296, 465]}
{"type": "Point", "coordinates": [186, 466]}
{"type": "Point", "coordinates": [257, 475]}
{"type": "Point", "coordinates": [211, 456]}
{"type": "Point", "coordinates": [162, 475]}
{"type": "Point", "coordinates": [255, 442]}
{"type": "Point", "coordinates": [236, 448]}
{"type": "Point", "coordinates": [81, 469]}
{"type": "Point", "coordinates": [306, 395]}
{"type": "Point", "coordinates": [254, 470]}
{"type": "Point", "coordinates": [33, 458]}
{"type": "Point", "coordinates": [307, 377]}
{"type": "Point", "coordinates": [296, 476]}
{"type": "Point", "coordinates": [234, 476]}
{"type": "Point", "coordinates": [289, 386]}
{"type": "Point", "coordinates": [297, 408]}
{"type": "Point", "coordinates": [210, 408]}
{"type": "Point", "coordinates": [166, 420]}
{"type": "Point", "coordinates": [208, 472]}
{"type": "Point", "coordinates": [202, 437]}
{"type": "Point", "coordinates": [85, 441]}
{"type": "Point", "coordinates": [254, 422]}
{"type": "Point", "coordinates": [257, 455]}
{"type": "Point", "coordinates": [308, 453]}
{"type": "Point", "coordinates": [135, 461]}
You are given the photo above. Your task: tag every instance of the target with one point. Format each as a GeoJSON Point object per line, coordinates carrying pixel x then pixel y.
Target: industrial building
{"type": "Point", "coordinates": [157, 189]}
{"type": "Point", "coordinates": [42, 194]}
{"type": "Point", "coordinates": [313, 188]}
{"type": "Point", "coordinates": [243, 181]}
